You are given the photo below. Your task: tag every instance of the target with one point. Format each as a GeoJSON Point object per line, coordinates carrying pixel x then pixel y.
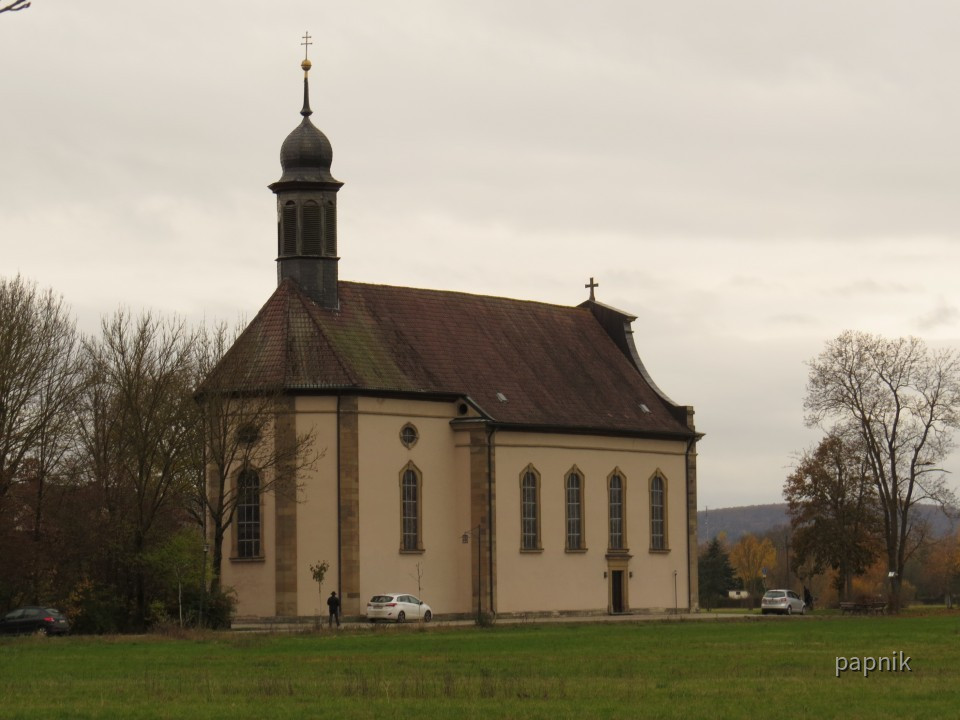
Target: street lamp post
{"type": "Point", "coordinates": [676, 600]}
{"type": "Point", "coordinates": [477, 534]}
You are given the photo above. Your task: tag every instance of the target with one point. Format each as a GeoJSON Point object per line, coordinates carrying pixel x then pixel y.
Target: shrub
{"type": "Point", "coordinates": [95, 609]}
{"type": "Point", "coordinates": [219, 609]}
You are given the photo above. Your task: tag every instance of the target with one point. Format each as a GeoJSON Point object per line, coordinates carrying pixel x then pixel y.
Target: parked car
{"type": "Point", "coordinates": [398, 608]}
{"type": "Point", "coordinates": [33, 619]}
{"type": "Point", "coordinates": [786, 602]}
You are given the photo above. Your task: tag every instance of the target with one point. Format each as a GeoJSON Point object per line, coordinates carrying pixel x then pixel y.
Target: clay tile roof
{"type": "Point", "coordinates": [555, 366]}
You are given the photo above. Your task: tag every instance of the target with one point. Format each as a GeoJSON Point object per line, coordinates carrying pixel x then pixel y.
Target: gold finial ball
{"type": "Point", "coordinates": [306, 65]}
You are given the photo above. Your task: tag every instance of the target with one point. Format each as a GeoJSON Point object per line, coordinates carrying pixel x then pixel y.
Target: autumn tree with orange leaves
{"type": "Point", "coordinates": [749, 557]}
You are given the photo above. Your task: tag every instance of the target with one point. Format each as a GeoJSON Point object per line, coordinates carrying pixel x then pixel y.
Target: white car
{"type": "Point", "coordinates": [782, 601]}
{"type": "Point", "coordinates": [397, 607]}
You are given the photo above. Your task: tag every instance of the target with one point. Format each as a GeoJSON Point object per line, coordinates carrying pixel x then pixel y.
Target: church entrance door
{"type": "Point", "coordinates": [618, 587]}
{"type": "Point", "coordinates": [616, 591]}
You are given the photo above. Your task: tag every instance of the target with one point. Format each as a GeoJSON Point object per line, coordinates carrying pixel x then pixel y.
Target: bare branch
{"type": "Point", "coordinates": [241, 430]}
{"type": "Point", "coordinates": [40, 373]}
{"type": "Point", "coordinates": [15, 6]}
{"type": "Point", "coordinates": [904, 402]}
{"type": "Point", "coordinates": [137, 413]}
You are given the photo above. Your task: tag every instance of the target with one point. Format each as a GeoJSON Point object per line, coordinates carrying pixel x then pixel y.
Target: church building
{"type": "Point", "coordinates": [492, 455]}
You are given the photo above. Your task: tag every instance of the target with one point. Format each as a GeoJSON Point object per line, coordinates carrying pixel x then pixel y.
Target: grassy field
{"type": "Point", "coordinates": [684, 669]}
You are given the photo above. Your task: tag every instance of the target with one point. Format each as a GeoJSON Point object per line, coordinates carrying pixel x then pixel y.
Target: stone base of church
{"type": "Point", "coordinates": [586, 614]}
{"type": "Point", "coordinates": [310, 623]}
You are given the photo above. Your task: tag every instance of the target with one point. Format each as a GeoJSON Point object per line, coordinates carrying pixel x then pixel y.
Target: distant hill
{"type": "Point", "coordinates": [757, 519]}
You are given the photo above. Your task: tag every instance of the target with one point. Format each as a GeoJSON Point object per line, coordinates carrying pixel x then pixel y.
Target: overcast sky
{"type": "Point", "coordinates": [748, 178]}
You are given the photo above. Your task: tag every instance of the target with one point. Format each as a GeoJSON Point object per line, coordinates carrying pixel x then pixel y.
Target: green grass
{"type": "Point", "coordinates": [692, 669]}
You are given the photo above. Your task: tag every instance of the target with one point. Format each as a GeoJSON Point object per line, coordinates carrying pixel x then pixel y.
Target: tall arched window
{"type": "Point", "coordinates": [410, 510]}
{"type": "Point", "coordinates": [248, 514]}
{"type": "Point", "coordinates": [573, 485]}
{"type": "Point", "coordinates": [530, 509]}
{"type": "Point", "coordinates": [311, 228]}
{"type": "Point", "coordinates": [617, 540]}
{"type": "Point", "coordinates": [288, 244]}
{"type": "Point", "coordinates": [658, 513]}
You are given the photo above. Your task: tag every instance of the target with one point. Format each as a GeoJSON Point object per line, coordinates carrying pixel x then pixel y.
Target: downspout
{"type": "Point", "coordinates": [490, 433]}
{"type": "Point", "coordinates": [339, 523]}
{"type": "Point", "coordinates": [690, 549]}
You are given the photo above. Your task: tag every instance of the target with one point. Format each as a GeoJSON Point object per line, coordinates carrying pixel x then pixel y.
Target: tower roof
{"type": "Point", "coordinates": [306, 154]}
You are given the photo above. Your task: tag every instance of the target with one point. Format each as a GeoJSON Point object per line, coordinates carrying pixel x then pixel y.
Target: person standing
{"type": "Point", "coordinates": [333, 603]}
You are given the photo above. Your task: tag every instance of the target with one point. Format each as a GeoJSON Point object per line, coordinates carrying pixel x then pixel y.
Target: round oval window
{"type": "Point", "coordinates": [409, 435]}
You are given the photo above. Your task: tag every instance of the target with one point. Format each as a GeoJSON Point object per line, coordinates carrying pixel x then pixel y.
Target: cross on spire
{"type": "Point", "coordinates": [306, 44]}
{"type": "Point", "coordinates": [592, 285]}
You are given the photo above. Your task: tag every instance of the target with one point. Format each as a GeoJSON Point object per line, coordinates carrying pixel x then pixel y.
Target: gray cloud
{"type": "Point", "coordinates": [748, 178]}
{"type": "Point", "coordinates": [943, 314]}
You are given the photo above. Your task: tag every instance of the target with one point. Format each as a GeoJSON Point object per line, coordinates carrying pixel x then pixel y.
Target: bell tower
{"type": "Point", "coordinates": [307, 207]}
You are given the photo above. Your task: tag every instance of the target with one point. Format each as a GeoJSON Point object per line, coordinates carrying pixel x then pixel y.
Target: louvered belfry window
{"type": "Point", "coordinates": [288, 239]}
{"type": "Point", "coordinates": [312, 230]}
{"type": "Point", "coordinates": [330, 230]}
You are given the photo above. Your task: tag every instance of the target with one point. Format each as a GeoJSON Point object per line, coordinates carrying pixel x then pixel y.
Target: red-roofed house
{"type": "Point", "coordinates": [511, 457]}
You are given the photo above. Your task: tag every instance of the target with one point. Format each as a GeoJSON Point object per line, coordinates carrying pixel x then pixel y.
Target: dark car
{"type": "Point", "coordinates": [34, 619]}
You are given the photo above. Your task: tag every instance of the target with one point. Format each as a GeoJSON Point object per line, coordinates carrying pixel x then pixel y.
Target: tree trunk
{"type": "Point", "coordinates": [218, 533]}
{"type": "Point", "coordinates": [893, 604]}
{"type": "Point", "coordinates": [140, 582]}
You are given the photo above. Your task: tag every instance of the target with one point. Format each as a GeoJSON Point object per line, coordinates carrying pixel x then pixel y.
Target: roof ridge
{"type": "Point", "coordinates": [463, 293]}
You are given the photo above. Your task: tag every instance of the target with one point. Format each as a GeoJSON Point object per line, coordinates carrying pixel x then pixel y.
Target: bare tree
{"type": "Point", "coordinates": [903, 400]}
{"type": "Point", "coordinates": [40, 378]}
{"type": "Point", "coordinates": [100, 424]}
{"type": "Point", "coordinates": [15, 6]}
{"type": "Point", "coordinates": [243, 425]}
{"type": "Point", "coordinates": [137, 428]}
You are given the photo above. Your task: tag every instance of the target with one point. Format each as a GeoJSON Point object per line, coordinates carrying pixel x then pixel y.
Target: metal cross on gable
{"type": "Point", "coordinates": [306, 44]}
{"type": "Point", "coordinates": [592, 285]}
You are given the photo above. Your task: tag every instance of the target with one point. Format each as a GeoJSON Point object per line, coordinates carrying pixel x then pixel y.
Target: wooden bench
{"type": "Point", "coordinates": [861, 607]}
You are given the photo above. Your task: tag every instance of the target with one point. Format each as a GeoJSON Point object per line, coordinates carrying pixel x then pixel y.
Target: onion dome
{"type": "Point", "coordinates": [306, 154]}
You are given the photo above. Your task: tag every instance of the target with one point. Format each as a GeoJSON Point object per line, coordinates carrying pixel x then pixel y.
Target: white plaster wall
{"type": "Point", "coordinates": [553, 580]}
{"type": "Point", "coordinates": [317, 506]}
